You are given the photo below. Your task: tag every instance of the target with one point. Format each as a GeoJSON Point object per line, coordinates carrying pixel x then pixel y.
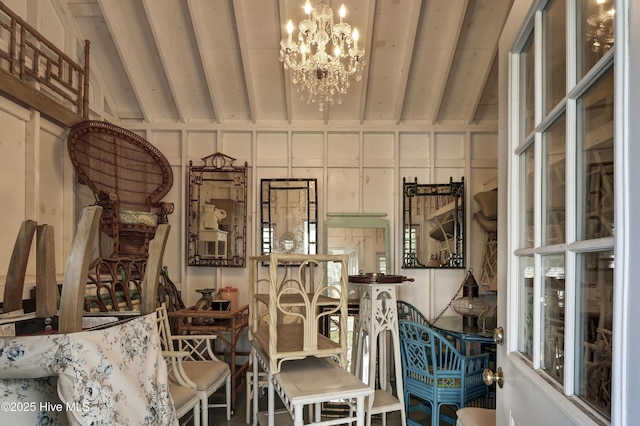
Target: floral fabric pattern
{"type": "Point", "coordinates": [111, 376]}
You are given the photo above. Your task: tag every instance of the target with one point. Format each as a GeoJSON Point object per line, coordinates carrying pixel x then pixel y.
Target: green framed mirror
{"type": "Point", "coordinates": [363, 236]}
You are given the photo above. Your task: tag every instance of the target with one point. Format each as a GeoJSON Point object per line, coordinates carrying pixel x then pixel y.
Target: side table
{"type": "Point", "coordinates": [228, 326]}
{"type": "Point", "coordinates": [213, 239]}
{"type": "Point", "coordinates": [378, 319]}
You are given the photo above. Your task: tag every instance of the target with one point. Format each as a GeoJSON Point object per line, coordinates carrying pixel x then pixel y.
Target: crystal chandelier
{"type": "Point", "coordinates": [324, 57]}
{"type": "Point", "coordinates": [600, 28]}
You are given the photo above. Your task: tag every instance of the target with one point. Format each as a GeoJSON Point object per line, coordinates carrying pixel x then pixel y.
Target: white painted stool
{"type": "Point", "coordinates": [475, 416]}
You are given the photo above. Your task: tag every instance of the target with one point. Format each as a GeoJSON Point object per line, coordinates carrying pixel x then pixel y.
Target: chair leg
{"type": "Point", "coordinates": [249, 395]}
{"type": "Point", "coordinates": [196, 415]}
{"type": "Point", "coordinates": [435, 414]}
{"type": "Point", "coordinates": [204, 402]}
{"type": "Point", "coordinates": [228, 396]}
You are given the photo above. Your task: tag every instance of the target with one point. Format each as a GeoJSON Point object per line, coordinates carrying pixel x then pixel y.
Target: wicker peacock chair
{"type": "Point", "coordinates": [128, 177]}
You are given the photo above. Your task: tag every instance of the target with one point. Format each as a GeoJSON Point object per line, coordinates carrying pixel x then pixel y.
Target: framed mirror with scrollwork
{"type": "Point", "coordinates": [217, 218]}
{"type": "Point", "coordinates": [289, 216]}
{"type": "Point", "coordinates": [433, 225]}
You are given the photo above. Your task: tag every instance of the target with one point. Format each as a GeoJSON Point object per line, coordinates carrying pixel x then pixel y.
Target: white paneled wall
{"type": "Point", "coordinates": [36, 183]}
{"type": "Point", "coordinates": [359, 170]}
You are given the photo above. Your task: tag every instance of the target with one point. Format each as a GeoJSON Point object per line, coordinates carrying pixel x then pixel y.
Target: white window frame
{"type": "Point", "coordinates": [571, 248]}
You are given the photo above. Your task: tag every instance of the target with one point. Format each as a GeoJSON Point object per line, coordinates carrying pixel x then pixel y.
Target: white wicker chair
{"type": "Point", "coordinates": [191, 359]}
{"type": "Point", "coordinates": [199, 366]}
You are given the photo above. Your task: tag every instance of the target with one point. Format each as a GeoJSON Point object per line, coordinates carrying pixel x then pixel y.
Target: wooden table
{"type": "Point", "coordinates": [228, 326]}
{"type": "Point", "coordinates": [308, 382]}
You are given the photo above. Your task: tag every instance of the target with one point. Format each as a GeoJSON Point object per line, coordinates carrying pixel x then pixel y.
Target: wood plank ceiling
{"type": "Point", "coordinates": [216, 61]}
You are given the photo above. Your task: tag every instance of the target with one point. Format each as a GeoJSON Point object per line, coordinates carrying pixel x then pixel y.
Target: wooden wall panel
{"type": "Point", "coordinates": [343, 190]}
{"type": "Point", "coordinates": [343, 149]}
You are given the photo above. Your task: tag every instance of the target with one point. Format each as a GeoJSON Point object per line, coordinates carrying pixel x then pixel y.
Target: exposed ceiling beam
{"type": "Point", "coordinates": [487, 66]}
{"type": "Point", "coordinates": [365, 73]}
{"type": "Point", "coordinates": [241, 32]}
{"type": "Point", "coordinates": [285, 73]}
{"type": "Point", "coordinates": [160, 42]}
{"type": "Point", "coordinates": [478, 88]}
{"type": "Point", "coordinates": [405, 67]}
{"type": "Point", "coordinates": [441, 85]}
{"type": "Point", "coordinates": [205, 59]}
{"type": "Point", "coordinates": [110, 11]}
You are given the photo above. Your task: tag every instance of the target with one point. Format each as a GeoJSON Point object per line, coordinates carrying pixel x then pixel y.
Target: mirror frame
{"type": "Point", "coordinates": [307, 217]}
{"type": "Point", "coordinates": [220, 176]}
{"type": "Point", "coordinates": [453, 204]}
{"type": "Point", "coordinates": [359, 220]}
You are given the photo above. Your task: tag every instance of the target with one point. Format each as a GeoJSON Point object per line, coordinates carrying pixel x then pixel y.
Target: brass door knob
{"type": "Point", "coordinates": [498, 335]}
{"type": "Point", "coordinates": [489, 377]}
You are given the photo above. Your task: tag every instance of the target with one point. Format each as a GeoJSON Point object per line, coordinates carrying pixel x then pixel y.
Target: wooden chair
{"type": "Point", "coordinates": [128, 177]}
{"type": "Point", "coordinates": [14, 284]}
{"type": "Point", "coordinates": [75, 276]}
{"type": "Point", "coordinates": [434, 373]}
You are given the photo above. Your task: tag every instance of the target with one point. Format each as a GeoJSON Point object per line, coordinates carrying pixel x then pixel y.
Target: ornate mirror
{"type": "Point", "coordinates": [289, 216]}
{"type": "Point", "coordinates": [217, 206]}
{"type": "Point", "coordinates": [433, 225]}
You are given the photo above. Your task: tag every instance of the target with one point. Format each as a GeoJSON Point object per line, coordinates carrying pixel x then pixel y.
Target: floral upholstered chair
{"type": "Point", "coordinates": [112, 375]}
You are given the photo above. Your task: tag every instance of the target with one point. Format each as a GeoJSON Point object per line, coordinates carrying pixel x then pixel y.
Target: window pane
{"type": "Point", "coordinates": [595, 32]}
{"type": "Point", "coordinates": [595, 130]}
{"type": "Point", "coordinates": [593, 335]}
{"type": "Point", "coordinates": [527, 195]}
{"type": "Point", "coordinates": [555, 52]}
{"type": "Point", "coordinates": [525, 323]}
{"type": "Point", "coordinates": [552, 348]}
{"type": "Point", "coordinates": [594, 329]}
{"type": "Point", "coordinates": [526, 89]}
{"type": "Point", "coordinates": [553, 176]}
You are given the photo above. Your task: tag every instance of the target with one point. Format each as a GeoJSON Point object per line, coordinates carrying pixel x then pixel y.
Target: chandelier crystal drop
{"type": "Point", "coordinates": [324, 57]}
{"type": "Point", "coordinates": [600, 31]}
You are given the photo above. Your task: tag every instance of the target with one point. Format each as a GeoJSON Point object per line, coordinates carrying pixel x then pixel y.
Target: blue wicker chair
{"type": "Point", "coordinates": [434, 373]}
{"type": "Point", "coordinates": [406, 311]}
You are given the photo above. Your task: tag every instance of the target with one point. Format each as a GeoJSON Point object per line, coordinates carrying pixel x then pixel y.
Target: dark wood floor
{"type": "Point", "coordinates": [217, 415]}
